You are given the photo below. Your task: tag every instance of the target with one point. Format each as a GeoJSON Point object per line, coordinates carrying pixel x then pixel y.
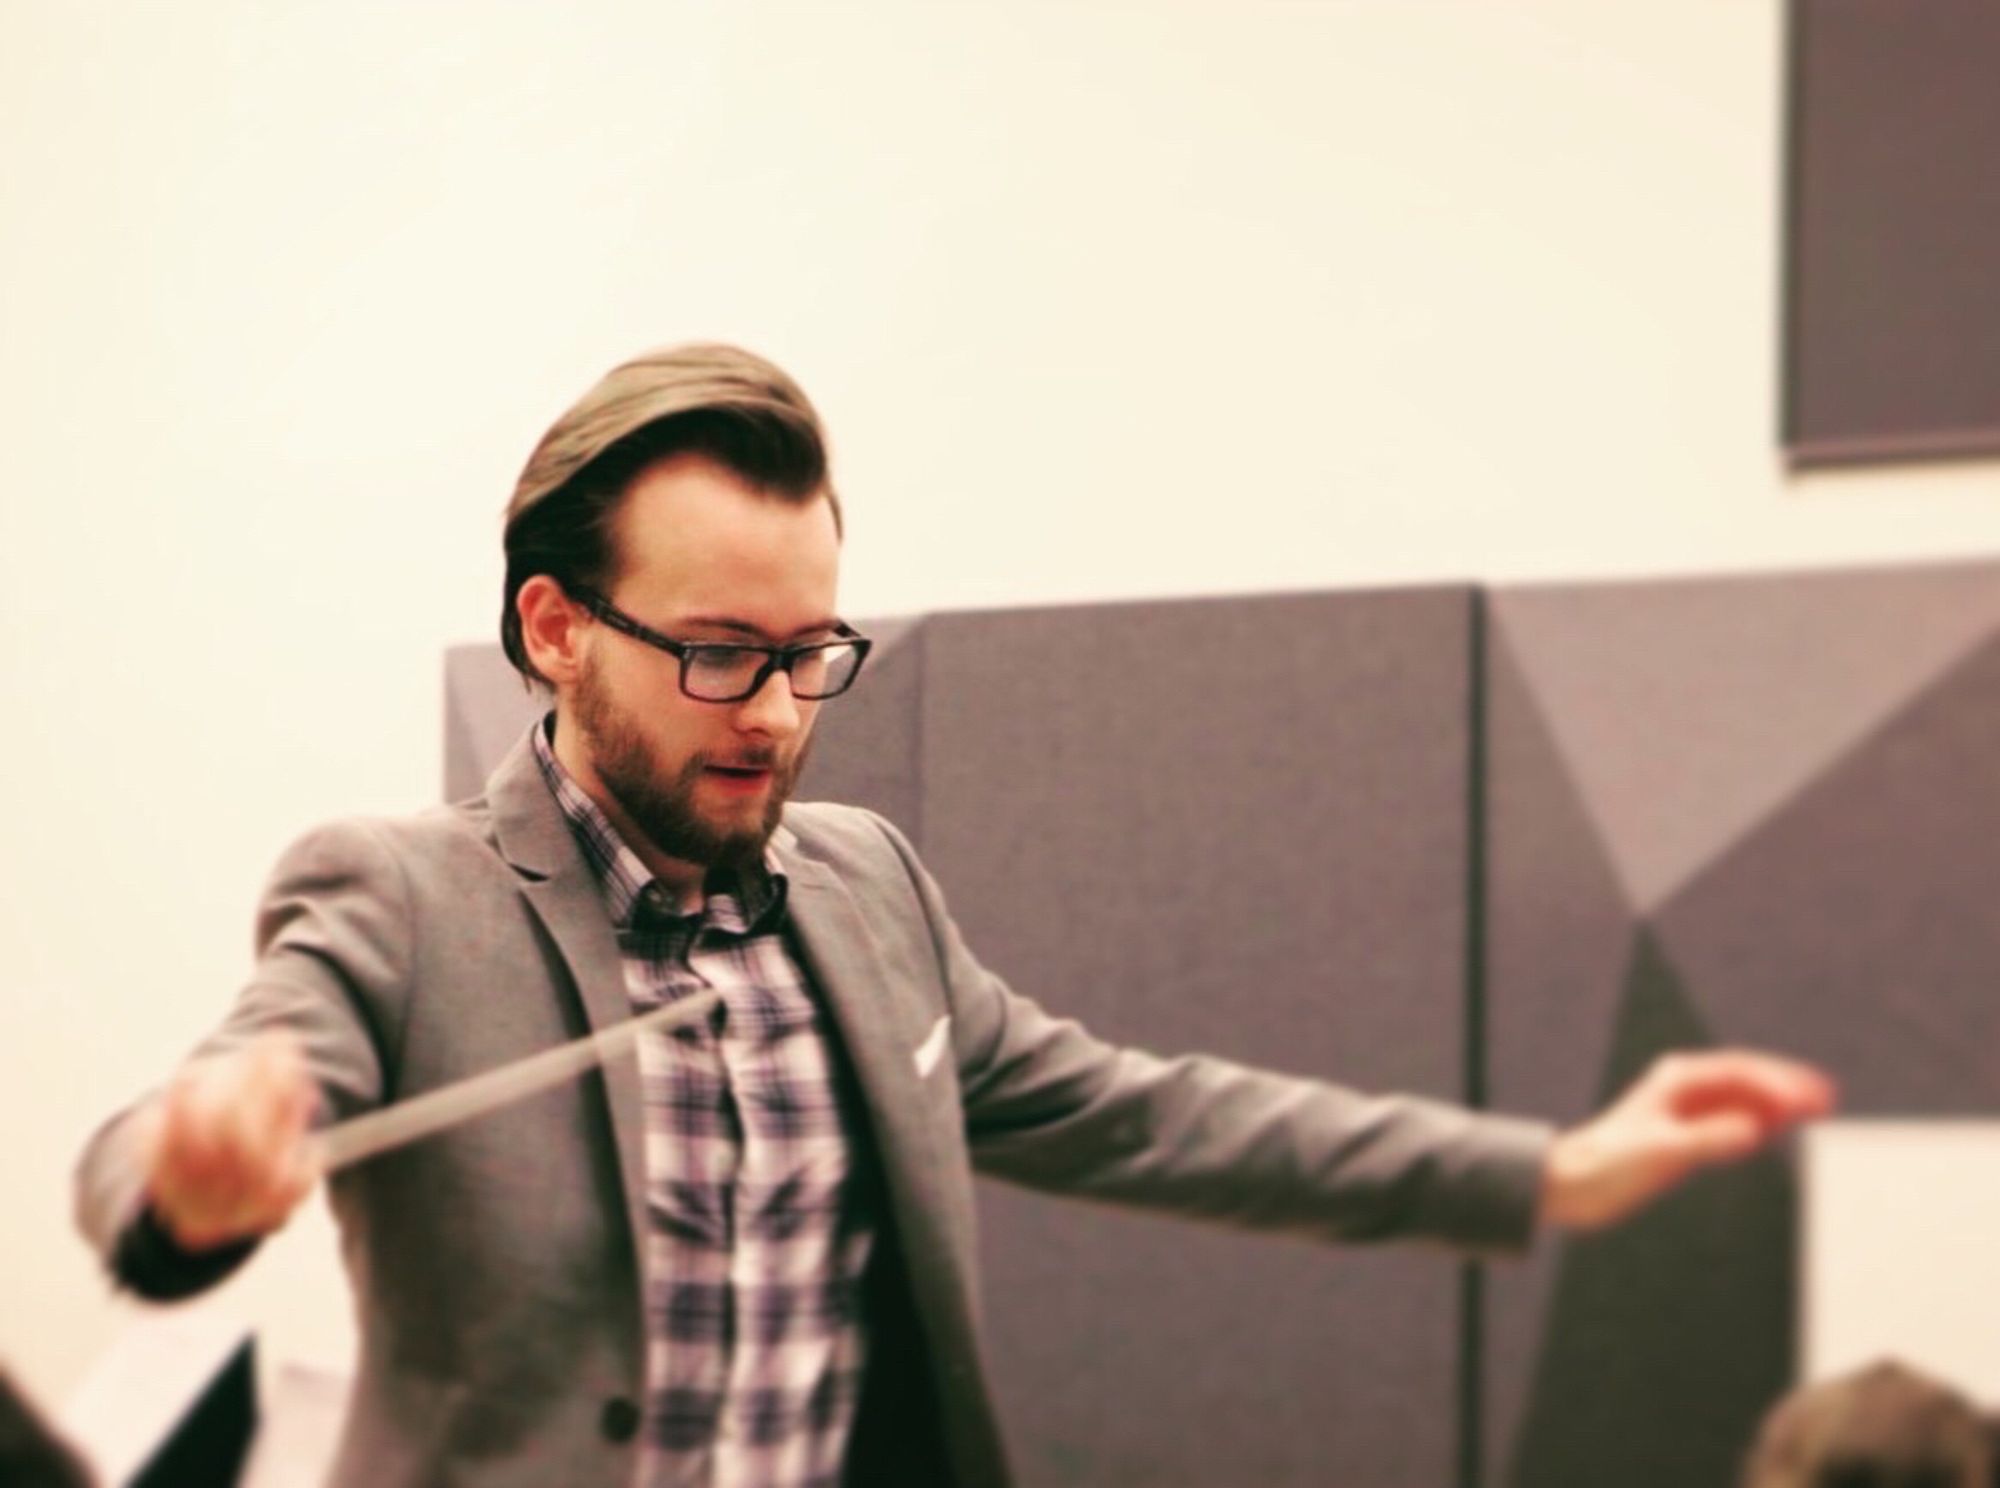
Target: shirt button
{"type": "Point", "coordinates": [619, 1421]}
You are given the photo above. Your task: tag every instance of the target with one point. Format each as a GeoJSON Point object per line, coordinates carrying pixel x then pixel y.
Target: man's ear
{"type": "Point", "coordinates": [552, 629]}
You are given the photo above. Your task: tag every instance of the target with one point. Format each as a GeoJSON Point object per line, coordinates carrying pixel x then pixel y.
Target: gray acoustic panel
{"type": "Point", "coordinates": [1790, 671]}
{"type": "Point", "coordinates": [1893, 317]}
{"type": "Point", "coordinates": [1858, 927]}
{"type": "Point", "coordinates": [1231, 825]}
{"type": "Point", "coordinates": [866, 744]}
{"type": "Point", "coordinates": [1839, 907]}
{"type": "Point", "coordinates": [486, 710]}
{"type": "Point", "coordinates": [1236, 826]}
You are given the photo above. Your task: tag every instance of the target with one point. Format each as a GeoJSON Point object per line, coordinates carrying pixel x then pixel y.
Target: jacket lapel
{"type": "Point", "coordinates": [856, 975]}
{"type": "Point", "coordinates": [874, 991]}
{"type": "Point", "coordinates": [533, 836]}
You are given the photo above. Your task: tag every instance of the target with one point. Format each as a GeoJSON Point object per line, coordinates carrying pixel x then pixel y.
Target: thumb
{"type": "Point", "coordinates": [1720, 1137]}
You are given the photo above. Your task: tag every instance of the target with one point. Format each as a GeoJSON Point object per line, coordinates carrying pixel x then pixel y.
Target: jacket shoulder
{"type": "Point", "coordinates": [843, 836]}
{"type": "Point", "coordinates": [437, 838]}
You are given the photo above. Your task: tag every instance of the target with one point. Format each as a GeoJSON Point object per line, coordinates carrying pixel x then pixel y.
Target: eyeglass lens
{"type": "Point", "coordinates": [727, 673]}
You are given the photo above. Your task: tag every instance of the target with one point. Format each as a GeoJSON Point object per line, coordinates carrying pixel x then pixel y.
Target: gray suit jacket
{"type": "Point", "coordinates": [494, 1266]}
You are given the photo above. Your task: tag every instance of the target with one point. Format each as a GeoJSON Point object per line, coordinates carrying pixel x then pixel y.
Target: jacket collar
{"type": "Point", "coordinates": [528, 826]}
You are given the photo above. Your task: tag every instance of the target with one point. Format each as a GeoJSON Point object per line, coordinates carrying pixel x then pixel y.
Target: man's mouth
{"type": "Point", "coordinates": [742, 776]}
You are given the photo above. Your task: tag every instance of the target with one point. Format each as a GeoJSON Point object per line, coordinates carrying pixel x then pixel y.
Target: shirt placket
{"type": "Point", "coordinates": [694, 1154]}
{"type": "Point", "coordinates": [735, 1459]}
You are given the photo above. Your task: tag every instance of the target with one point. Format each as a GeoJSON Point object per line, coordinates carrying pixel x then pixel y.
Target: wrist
{"type": "Point", "coordinates": [1567, 1189]}
{"type": "Point", "coordinates": [188, 1235]}
{"type": "Point", "coordinates": [154, 1263]}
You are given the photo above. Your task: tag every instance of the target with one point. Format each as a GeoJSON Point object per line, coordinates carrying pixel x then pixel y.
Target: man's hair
{"type": "Point", "coordinates": [1886, 1426]}
{"type": "Point", "coordinates": [719, 401]}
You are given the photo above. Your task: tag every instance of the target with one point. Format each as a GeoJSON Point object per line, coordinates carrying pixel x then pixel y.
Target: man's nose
{"type": "Point", "coordinates": [771, 709]}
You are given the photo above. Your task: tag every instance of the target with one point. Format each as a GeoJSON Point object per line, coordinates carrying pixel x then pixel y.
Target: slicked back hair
{"type": "Point", "coordinates": [719, 401]}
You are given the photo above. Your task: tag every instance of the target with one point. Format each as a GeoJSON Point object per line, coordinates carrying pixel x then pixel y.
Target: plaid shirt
{"type": "Point", "coordinates": [759, 1226]}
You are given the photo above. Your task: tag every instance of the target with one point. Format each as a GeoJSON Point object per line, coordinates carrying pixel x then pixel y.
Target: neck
{"type": "Point", "coordinates": [683, 878]}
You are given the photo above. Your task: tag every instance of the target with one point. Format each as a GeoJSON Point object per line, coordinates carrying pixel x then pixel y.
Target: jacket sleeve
{"type": "Point", "coordinates": [1050, 1106]}
{"type": "Point", "coordinates": [333, 962]}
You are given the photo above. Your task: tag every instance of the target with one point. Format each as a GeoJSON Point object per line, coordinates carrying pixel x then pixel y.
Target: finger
{"type": "Point", "coordinates": [243, 1145]}
{"type": "Point", "coordinates": [188, 1148]}
{"type": "Point", "coordinates": [300, 1101]}
{"type": "Point", "coordinates": [301, 1177]}
{"type": "Point", "coordinates": [272, 1075]}
{"type": "Point", "coordinates": [1723, 1137]}
{"type": "Point", "coordinates": [288, 1156]}
{"type": "Point", "coordinates": [271, 1102]}
{"type": "Point", "coordinates": [288, 1098]}
{"type": "Point", "coordinates": [271, 1204]}
{"type": "Point", "coordinates": [231, 1137]}
{"type": "Point", "coordinates": [1781, 1090]}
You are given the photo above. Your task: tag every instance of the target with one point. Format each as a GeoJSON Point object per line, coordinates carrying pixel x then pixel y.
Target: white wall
{"type": "Point", "coordinates": [1100, 299]}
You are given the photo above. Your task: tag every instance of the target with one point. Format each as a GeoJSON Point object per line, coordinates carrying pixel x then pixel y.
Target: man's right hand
{"type": "Point", "coordinates": [230, 1155]}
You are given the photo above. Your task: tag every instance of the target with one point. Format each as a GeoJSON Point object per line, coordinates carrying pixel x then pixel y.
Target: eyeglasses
{"type": "Point", "coordinates": [730, 671]}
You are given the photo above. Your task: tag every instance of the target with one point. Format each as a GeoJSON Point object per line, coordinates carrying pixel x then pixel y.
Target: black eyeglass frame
{"type": "Point", "coordinates": [776, 658]}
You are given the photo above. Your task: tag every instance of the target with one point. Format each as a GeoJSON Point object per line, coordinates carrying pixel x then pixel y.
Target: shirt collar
{"type": "Point", "coordinates": [740, 904]}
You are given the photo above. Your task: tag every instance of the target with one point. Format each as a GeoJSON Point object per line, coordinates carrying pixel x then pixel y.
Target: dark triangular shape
{"type": "Point", "coordinates": [1667, 1337]}
{"type": "Point", "coordinates": [1856, 928]}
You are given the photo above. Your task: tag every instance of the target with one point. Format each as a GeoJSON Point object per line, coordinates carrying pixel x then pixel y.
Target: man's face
{"type": "Point", "coordinates": [704, 557]}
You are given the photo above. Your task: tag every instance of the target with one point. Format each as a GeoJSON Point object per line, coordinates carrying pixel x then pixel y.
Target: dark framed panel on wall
{"type": "Point", "coordinates": [1892, 298]}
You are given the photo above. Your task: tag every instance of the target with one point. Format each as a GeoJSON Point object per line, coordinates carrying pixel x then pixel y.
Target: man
{"type": "Point", "coordinates": [748, 1258]}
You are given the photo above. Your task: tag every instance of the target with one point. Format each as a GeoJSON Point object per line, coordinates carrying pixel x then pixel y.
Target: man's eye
{"type": "Point", "coordinates": [724, 660]}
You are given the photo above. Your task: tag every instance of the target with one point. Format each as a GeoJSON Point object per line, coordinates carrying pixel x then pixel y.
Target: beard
{"type": "Point", "coordinates": [663, 807]}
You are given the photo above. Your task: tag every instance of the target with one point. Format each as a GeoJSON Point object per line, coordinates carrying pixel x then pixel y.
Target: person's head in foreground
{"type": "Point", "coordinates": [1885, 1426]}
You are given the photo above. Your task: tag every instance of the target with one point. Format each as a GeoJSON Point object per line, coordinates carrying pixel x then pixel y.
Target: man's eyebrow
{"type": "Point", "coordinates": [755, 632]}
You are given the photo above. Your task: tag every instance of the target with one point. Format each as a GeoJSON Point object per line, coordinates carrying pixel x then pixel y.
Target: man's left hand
{"type": "Point", "coordinates": [1688, 1111]}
